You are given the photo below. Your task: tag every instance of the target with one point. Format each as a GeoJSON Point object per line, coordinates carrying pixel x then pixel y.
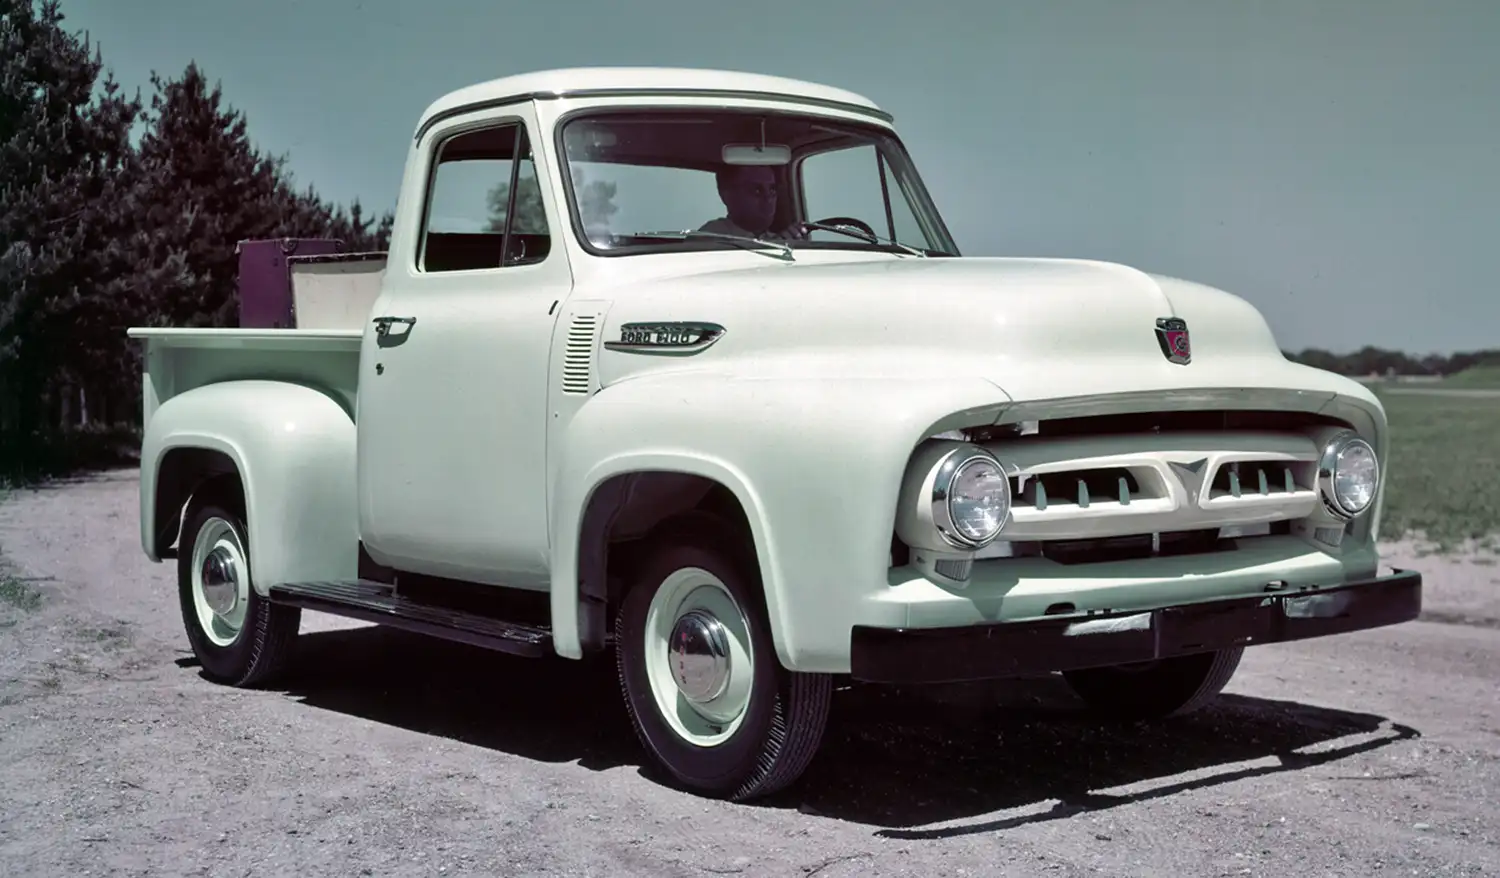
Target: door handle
{"type": "Point", "coordinates": [383, 324]}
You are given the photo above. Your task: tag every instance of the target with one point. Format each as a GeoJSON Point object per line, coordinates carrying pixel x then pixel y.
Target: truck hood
{"type": "Point", "coordinates": [1035, 328]}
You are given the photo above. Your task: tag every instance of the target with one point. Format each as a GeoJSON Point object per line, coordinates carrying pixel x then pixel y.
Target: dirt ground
{"type": "Point", "coordinates": [1376, 753]}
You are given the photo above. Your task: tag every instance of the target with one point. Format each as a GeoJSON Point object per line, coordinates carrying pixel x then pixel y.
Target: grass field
{"type": "Point", "coordinates": [1477, 378]}
{"type": "Point", "coordinates": [1444, 465]}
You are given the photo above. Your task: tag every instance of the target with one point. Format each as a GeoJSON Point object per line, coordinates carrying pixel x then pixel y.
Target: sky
{"type": "Point", "coordinates": [1334, 162]}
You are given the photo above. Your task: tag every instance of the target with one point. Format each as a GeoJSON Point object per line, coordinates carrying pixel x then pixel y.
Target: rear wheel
{"type": "Point", "coordinates": [1152, 690]}
{"type": "Point", "coordinates": [710, 702]}
{"type": "Point", "coordinates": [238, 637]}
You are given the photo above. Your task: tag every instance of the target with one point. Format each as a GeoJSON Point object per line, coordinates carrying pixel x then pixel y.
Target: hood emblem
{"type": "Point", "coordinates": [1172, 335]}
{"type": "Point", "coordinates": [666, 338]}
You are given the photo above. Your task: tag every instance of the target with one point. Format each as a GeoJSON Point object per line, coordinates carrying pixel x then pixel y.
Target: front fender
{"type": "Point", "coordinates": [293, 447]}
{"type": "Point", "coordinates": [816, 463]}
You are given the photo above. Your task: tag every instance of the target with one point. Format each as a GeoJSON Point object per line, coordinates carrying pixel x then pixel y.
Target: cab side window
{"type": "Point", "coordinates": [484, 203]}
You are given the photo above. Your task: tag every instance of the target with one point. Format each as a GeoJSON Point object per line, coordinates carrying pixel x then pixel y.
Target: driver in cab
{"type": "Point", "coordinates": [749, 196]}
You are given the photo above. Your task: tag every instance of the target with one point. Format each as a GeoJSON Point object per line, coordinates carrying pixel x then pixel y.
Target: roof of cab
{"type": "Point", "coordinates": [639, 80]}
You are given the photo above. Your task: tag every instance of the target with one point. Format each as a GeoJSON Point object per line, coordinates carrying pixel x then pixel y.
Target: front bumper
{"type": "Point", "coordinates": [1006, 649]}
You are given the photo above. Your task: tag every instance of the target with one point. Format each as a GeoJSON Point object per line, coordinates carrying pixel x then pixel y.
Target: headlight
{"type": "Point", "coordinates": [970, 497]}
{"type": "Point", "coordinates": [1348, 475]}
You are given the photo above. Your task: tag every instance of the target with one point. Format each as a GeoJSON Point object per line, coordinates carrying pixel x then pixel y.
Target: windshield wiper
{"type": "Point", "coordinates": [783, 251]}
{"type": "Point", "coordinates": [873, 239]}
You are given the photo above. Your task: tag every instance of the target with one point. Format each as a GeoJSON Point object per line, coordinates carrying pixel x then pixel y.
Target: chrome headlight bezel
{"type": "Point", "coordinates": [952, 466]}
{"type": "Point", "coordinates": [1328, 464]}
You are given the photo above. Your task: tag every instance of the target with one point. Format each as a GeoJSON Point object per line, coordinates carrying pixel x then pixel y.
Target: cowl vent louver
{"type": "Point", "coordinates": [578, 357]}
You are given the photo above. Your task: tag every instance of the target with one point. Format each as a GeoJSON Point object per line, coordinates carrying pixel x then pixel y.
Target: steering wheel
{"type": "Point", "coordinates": [858, 224]}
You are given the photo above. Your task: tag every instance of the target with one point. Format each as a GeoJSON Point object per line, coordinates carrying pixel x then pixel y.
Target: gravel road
{"type": "Point", "coordinates": [1370, 754]}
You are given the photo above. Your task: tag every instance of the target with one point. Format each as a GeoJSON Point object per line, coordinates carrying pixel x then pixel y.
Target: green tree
{"type": "Point", "coordinates": [1370, 359]}
{"type": "Point", "coordinates": [596, 202]}
{"type": "Point", "coordinates": [97, 235]}
{"type": "Point", "coordinates": [360, 234]}
{"type": "Point", "coordinates": [211, 188]}
{"type": "Point", "coordinates": [66, 267]}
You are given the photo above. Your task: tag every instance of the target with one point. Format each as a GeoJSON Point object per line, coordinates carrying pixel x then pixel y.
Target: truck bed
{"type": "Point", "coordinates": [177, 360]}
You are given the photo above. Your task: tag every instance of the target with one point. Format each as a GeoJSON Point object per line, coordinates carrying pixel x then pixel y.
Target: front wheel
{"type": "Point", "coordinates": [1157, 689]}
{"type": "Point", "coordinates": [238, 637]}
{"type": "Point", "coordinates": [707, 697]}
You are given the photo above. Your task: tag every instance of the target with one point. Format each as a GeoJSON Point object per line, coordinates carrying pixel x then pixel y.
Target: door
{"type": "Point", "coordinates": [453, 387]}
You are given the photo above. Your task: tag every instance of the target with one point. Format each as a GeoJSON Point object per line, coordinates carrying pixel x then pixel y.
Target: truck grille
{"type": "Point", "coordinates": [1093, 487]}
{"type": "Point", "coordinates": [1134, 546]}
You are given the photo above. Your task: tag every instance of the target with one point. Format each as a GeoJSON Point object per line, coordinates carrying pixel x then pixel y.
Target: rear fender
{"type": "Point", "coordinates": [293, 450]}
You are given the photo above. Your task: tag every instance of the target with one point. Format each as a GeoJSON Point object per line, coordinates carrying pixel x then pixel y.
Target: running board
{"type": "Point", "coordinates": [378, 602]}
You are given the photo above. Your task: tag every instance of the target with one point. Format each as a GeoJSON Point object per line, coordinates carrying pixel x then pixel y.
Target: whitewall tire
{"type": "Point", "coordinates": [707, 696]}
{"type": "Point", "coordinates": [238, 637]}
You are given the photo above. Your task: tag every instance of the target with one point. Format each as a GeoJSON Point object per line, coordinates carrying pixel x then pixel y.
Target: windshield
{"type": "Point", "coordinates": [694, 179]}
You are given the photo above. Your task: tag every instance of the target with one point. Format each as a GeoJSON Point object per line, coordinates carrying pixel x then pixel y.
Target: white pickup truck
{"type": "Point", "coordinates": [685, 365]}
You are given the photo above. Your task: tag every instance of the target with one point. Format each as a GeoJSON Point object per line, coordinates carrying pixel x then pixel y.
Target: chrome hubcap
{"type": "Point", "coordinates": [220, 581]}
{"type": "Point", "coordinates": [221, 589]}
{"type": "Point", "coordinates": [699, 656]}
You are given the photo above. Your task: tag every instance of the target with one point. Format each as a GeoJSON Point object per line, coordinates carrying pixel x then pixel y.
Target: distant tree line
{"type": "Point", "coordinates": [1379, 361]}
{"type": "Point", "coordinates": [117, 212]}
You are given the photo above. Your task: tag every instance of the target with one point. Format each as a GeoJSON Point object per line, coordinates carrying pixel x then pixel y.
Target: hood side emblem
{"type": "Point", "coordinates": [1172, 335]}
{"type": "Point", "coordinates": [1191, 476]}
{"type": "Point", "coordinates": [666, 338]}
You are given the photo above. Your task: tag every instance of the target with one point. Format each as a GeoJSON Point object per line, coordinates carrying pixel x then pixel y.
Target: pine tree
{"type": "Point", "coordinates": [64, 210]}
{"type": "Point", "coordinates": [211, 188]}
{"type": "Point", "coordinates": [596, 203]}
{"type": "Point", "coordinates": [206, 188]}
{"type": "Point", "coordinates": [97, 236]}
